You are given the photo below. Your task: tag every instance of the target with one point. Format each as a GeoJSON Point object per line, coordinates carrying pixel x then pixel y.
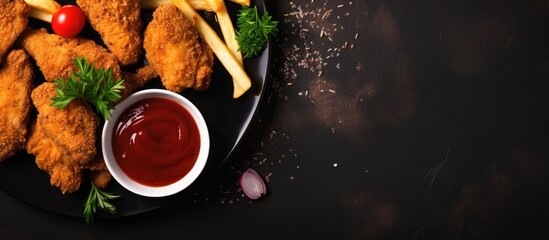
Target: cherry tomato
{"type": "Point", "coordinates": [68, 21]}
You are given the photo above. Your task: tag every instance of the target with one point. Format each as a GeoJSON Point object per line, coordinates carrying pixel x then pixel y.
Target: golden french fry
{"type": "Point", "coordinates": [214, 4]}
{"type": "Point", "coordinates": [227, 28]}
{"type": "Point", "coordinates": [242, 2]}
{"type": "Point", "coordinates": [46, 6]}
{"type": "Point", "coordinates": [196, 4]}
{"type": "Point", "coordinates": [40, 15]}
{"type": "Point", "coordinates": [241, 80]}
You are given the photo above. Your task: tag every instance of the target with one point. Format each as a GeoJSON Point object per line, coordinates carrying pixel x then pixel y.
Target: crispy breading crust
{"type": "Point", "coordinates": [72, 128]}
{"type": "Point", "coordinates": [55, 55]}
{"type": "Point", "coordinates": [64, 141]}
{"type": "Point", "coordinates": [134, 81]}
{"type": "Point", "coordinates": [13, 20]}
{"type": "Point", "coordinates": [176, 51]}
{"type": "Point", "coordinates": [53, 160]}
{"type": "Point", "coordinates": [16, 76]}
{"type": "Point", "coordinates": [120, 26]}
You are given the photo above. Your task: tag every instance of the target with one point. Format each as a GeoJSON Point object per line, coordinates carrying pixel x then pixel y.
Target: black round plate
{"type": "Point", "coordinates": [227, 119]}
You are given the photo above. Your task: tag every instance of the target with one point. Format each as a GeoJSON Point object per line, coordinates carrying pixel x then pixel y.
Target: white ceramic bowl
{"type": "Point", "coordinates": [136, 187]}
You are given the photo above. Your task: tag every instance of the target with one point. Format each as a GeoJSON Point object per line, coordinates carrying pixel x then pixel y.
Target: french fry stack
{"type": "Point", "coordinates": [227, 29]}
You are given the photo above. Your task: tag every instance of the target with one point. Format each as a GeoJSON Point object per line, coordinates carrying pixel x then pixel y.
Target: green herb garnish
{"type": "Point", "coordinates": [254, 32]}
{"type": "Point", "coordinates": [98, 198]}
{"type": "Point", "coordinates": [97, 86]}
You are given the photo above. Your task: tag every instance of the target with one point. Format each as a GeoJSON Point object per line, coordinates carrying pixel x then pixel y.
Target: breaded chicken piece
{"type": "Point", "coordinates": [134, 81]}
{"type": "Point", "coordinates": [16, 77]}
{"type": "Point", "coordinates": [73, 128]}
{"type": "Point", "coordinates": [55, 55]}
{"type": "Point", "coordinates": [64, 141]}
{"type": "Point", "coordinates": [120, 26]}
{"type": "Point", "coordinates": [52, 159]}
{"type": "Point", "coordinates": [176, 51]}
{"type": "Point", "coordinates": [13, 20]}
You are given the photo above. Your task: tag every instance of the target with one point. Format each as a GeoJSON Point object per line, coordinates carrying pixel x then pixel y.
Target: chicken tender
{"type": "Point", "coordinates": [64, 141]}
{"type": "Point", "coordinates": [134, 81]}
{"type": "Point", "coordinates": [13, 20]}
{"type": "Point", "coordinates": [55, 55]}
{"type": "Point", "coordinates": [176, 51]}
{"type": "Point", "coordinates": [52, 159]}
{"type": "Point", "coordinates": [120, 25]}
{"type": "Point", "coordinates": [16, 77]}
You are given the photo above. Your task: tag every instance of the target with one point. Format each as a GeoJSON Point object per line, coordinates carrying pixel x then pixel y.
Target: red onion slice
{"type": "Point", "coordinates": [252, 184]}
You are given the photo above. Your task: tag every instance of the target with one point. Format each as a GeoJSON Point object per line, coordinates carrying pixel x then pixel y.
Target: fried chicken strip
{"type": "Point", "coordinates": [120, 25]}
{"type": "Point", "coordinates": [176, 51]}
{"type": "Point", "coordinates": [16, 77]}
{"type": "Point", "coordinates": [55, 58]}
{"type": "Point", "coordinates": [52, 159]}
{"type": "Point", "coordinates": [64, 141]}
{"type": "Point", "coordinates": [134, 81]}
{"type": "Point", "coordinates": [13, 20]}
{"type": "Point", "coordinates": [55, 55]}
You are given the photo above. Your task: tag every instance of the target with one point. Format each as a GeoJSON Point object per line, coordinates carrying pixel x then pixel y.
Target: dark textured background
{"type": "Point", "coordinates": [382, 120]}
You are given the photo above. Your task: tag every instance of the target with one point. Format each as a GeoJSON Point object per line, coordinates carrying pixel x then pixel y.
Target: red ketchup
{"type": "Point", "coordinates": [156, 142]}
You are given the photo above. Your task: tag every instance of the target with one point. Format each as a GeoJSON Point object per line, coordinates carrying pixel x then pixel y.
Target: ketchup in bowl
{"type": "Point", "coordinates": [156, 142]}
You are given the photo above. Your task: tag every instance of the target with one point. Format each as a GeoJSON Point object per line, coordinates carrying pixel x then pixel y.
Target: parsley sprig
{"type": "Point", "coordinates": [254, 32]}
{"type": "Point", "coordinates": [97, 86]}
{"type": "Point", "coordinates": [98, 198]}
